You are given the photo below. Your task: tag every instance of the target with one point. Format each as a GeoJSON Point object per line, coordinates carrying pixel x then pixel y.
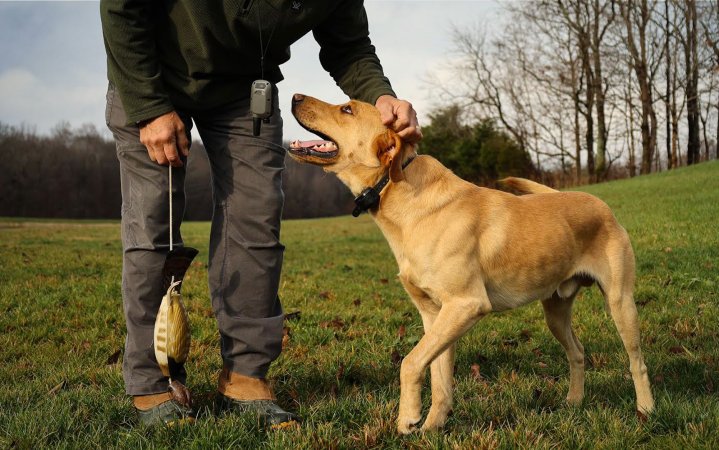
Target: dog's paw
{"type": "Point", "coordinates": [435, 420]}
{"type": "Point", "coordinates": [429, 427]}
{"type": "Point", "coordinates": [407, 426]}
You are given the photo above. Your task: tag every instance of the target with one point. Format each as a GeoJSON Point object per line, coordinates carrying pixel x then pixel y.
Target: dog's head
{"type": "Point", "coordinates": [355, 144]}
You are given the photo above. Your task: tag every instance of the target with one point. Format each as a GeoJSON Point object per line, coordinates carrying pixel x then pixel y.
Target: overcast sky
{"type": "Point", "coordinates": [52, 60]}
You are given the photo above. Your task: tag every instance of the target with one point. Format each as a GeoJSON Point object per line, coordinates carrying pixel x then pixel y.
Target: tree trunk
{"type": "Point", "coordinates": [676, 159]}
{"type": "Point", "coordinates": [704, 133]}
{"type": "Point", "coordinates": [674, 110]}
{"type": "Point", "coordinates": [589, 100]}
{"type": "Point", "coordinates": [576, 89]}
{"type": "Point", "coordinates": [668, 73]}
{"type": "Point", "coordinates": [647, 140]}
{"type": "Point", "coordinates": [653, 126]}
{"type": "Point", "coordinates": [632, 149]}
{"type": "Point", "coordinates": [601, 160]}
{"type": "Point", "coordinates": [598, 88]}
{"type": "Point", "coordinates": [639, 62]}
{"type": "Point", "coordinates": [577, 144]}
{"type": "Point", "coordinates": [692, 71]}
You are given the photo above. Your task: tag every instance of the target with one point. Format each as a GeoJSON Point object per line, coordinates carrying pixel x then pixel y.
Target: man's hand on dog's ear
{"type": "Point", "coordinates": [400, 116]}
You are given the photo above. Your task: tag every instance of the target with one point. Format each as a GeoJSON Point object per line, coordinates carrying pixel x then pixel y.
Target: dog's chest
{"type": "Point", "coordinates": [417, 281]}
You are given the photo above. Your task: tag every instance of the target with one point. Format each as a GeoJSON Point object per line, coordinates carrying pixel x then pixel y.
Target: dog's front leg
{"type": "Point", "coordinates": [442, 372]}
{"type": "Point", "coordinates": [454, 319]}
{"type": "Point", "coordinates": [442, 368]}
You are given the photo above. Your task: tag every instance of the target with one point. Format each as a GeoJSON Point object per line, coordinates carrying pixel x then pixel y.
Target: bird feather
{"type": "Point", "coordinates": [172, 333]}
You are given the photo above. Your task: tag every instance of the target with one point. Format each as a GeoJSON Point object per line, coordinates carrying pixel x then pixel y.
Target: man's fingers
{"type": "Point", "coordinates": [406, 124]}
{"type": "Point", "coordinates": [151, 154]}
{"type": "Point", "coordinates": [165, 139]}
{"type": "Point", "coordinates": [405, 116]}
{"type": "Point", "coordinates": [170, 150]}
{"type": "Point", "coordinates": [387, 115]}
{"type": "Point", "coordinates": [160, 157]}
{"type": "Point", "coordinates": [400, 116]}
{"type": "Point", "coordinates": [183, 144]}
{"type": "Point", "coordinates": [401, 123]}
{"type": "Point", "coordinates": [156, 154]}
{"type": "Point", "coordinates": [411, 134]}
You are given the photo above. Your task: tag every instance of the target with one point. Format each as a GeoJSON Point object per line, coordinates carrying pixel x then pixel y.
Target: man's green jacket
{"type": "Point", "coordinates": [198, 55]}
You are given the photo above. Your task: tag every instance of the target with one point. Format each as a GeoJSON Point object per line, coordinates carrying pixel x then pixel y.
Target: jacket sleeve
{"type": "Point", "coordinates": [132, 63]}
{"type": "Point", "coordinates": [347, 53]}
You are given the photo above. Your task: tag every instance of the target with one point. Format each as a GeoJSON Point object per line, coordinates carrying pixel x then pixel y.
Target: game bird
{"type": "Point", "coordinates": [172, 341]}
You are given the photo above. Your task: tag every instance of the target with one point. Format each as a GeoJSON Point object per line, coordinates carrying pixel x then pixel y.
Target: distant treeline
{"type": "Point", "coordinates": [74, 173]}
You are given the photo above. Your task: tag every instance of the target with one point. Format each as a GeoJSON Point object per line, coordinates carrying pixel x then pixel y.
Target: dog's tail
{"type": "Point", "coordinates": [524, 186]}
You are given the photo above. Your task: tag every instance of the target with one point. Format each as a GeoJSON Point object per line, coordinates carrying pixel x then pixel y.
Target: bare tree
{"type": "Point", "coordinates": [709, 19]}
{"type": "Point", "coordinates": [576, 17]}
{"type": "Point", "coordinates": [602, 17]}
{"type": "Point", "coordinates": [671, 162]}
{"type": "Point", "coordinates": [629, 111]}
{"type": "Point", "coordinates": [529, 80]}
{"type": "Point", "coordinates": [710, 96]}
{"type": "Point", "coordinates": [568, 76]}
{"type": "Point", "coordinates": [491, 89]}
{"type": "Point", "coordinates": [637, 19]}
{"type": "Point", "coordinates": [554, 64]}
{"type": "Point", "coordinates": [590, 20]}
{"type": "Point", "coordinates": [692, 80]}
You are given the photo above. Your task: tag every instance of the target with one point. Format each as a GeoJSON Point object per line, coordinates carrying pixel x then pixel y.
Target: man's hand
{"type": "Point", "coordinates": [164, 136]}
{"type": "Point", "coordinates": [400, 116]}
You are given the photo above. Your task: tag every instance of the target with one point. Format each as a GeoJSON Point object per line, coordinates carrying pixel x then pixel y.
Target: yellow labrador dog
{"type": "Point", "coordinates": [464, 251]}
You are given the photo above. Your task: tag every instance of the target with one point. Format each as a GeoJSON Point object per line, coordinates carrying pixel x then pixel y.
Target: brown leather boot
{"type": "Point", "coordinates": [242, 394]}
{"type": "Point", "coordinates": [155, 409]}
{"type": "Point", "coordinates": [241, 387]}
{"type": "Point", "coordinates": [145, 402]}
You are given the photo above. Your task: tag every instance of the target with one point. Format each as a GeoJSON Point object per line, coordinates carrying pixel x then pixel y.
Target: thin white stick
{"type": "Point", "coordinates": [170, 190]}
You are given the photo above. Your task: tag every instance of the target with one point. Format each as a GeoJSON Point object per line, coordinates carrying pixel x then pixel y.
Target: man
{"type": "Point", "coordinates": [172, 63]}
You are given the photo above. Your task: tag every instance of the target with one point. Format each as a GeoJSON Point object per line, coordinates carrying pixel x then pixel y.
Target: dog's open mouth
{"type": "Point", "coordinates": [319, 148]}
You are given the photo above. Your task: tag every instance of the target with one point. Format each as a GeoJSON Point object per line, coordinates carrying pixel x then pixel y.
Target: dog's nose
{"type": "Point", "coordinates": [297, 98]}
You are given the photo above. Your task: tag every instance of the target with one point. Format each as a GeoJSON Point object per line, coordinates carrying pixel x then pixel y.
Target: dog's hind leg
{"type": "Point", "coordinates": [558, 314]}
{"type": "Point", "coordinates": [618, 288]}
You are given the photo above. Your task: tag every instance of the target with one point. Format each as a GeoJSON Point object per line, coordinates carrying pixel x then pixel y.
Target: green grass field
{"type": "Point", "coordinates": [62, 331]}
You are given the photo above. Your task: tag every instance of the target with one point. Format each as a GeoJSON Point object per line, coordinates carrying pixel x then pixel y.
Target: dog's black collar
{"type": "Point", "coordinates": [369, 198]}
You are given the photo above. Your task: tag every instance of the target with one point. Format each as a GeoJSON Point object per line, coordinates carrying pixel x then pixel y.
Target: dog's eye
{"type": "Point", "coordinates": [347, 109]}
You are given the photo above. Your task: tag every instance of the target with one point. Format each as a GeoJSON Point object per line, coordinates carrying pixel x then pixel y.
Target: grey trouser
{"type": "Point", "coordinates": [245, 256]}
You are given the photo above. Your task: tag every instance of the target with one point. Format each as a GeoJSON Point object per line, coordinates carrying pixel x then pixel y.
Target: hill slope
{"type": "Point", "coordinates": [62, 331]}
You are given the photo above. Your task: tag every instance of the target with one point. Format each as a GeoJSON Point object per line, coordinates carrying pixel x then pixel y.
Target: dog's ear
{"type": "Point", "coordinates": [389, 148]}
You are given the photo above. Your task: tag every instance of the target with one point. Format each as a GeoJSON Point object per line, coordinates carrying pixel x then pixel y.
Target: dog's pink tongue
{"type": "Point", "coordinates": [306, 144]}
{"type": "Point", "coordinates": [316, 145]}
